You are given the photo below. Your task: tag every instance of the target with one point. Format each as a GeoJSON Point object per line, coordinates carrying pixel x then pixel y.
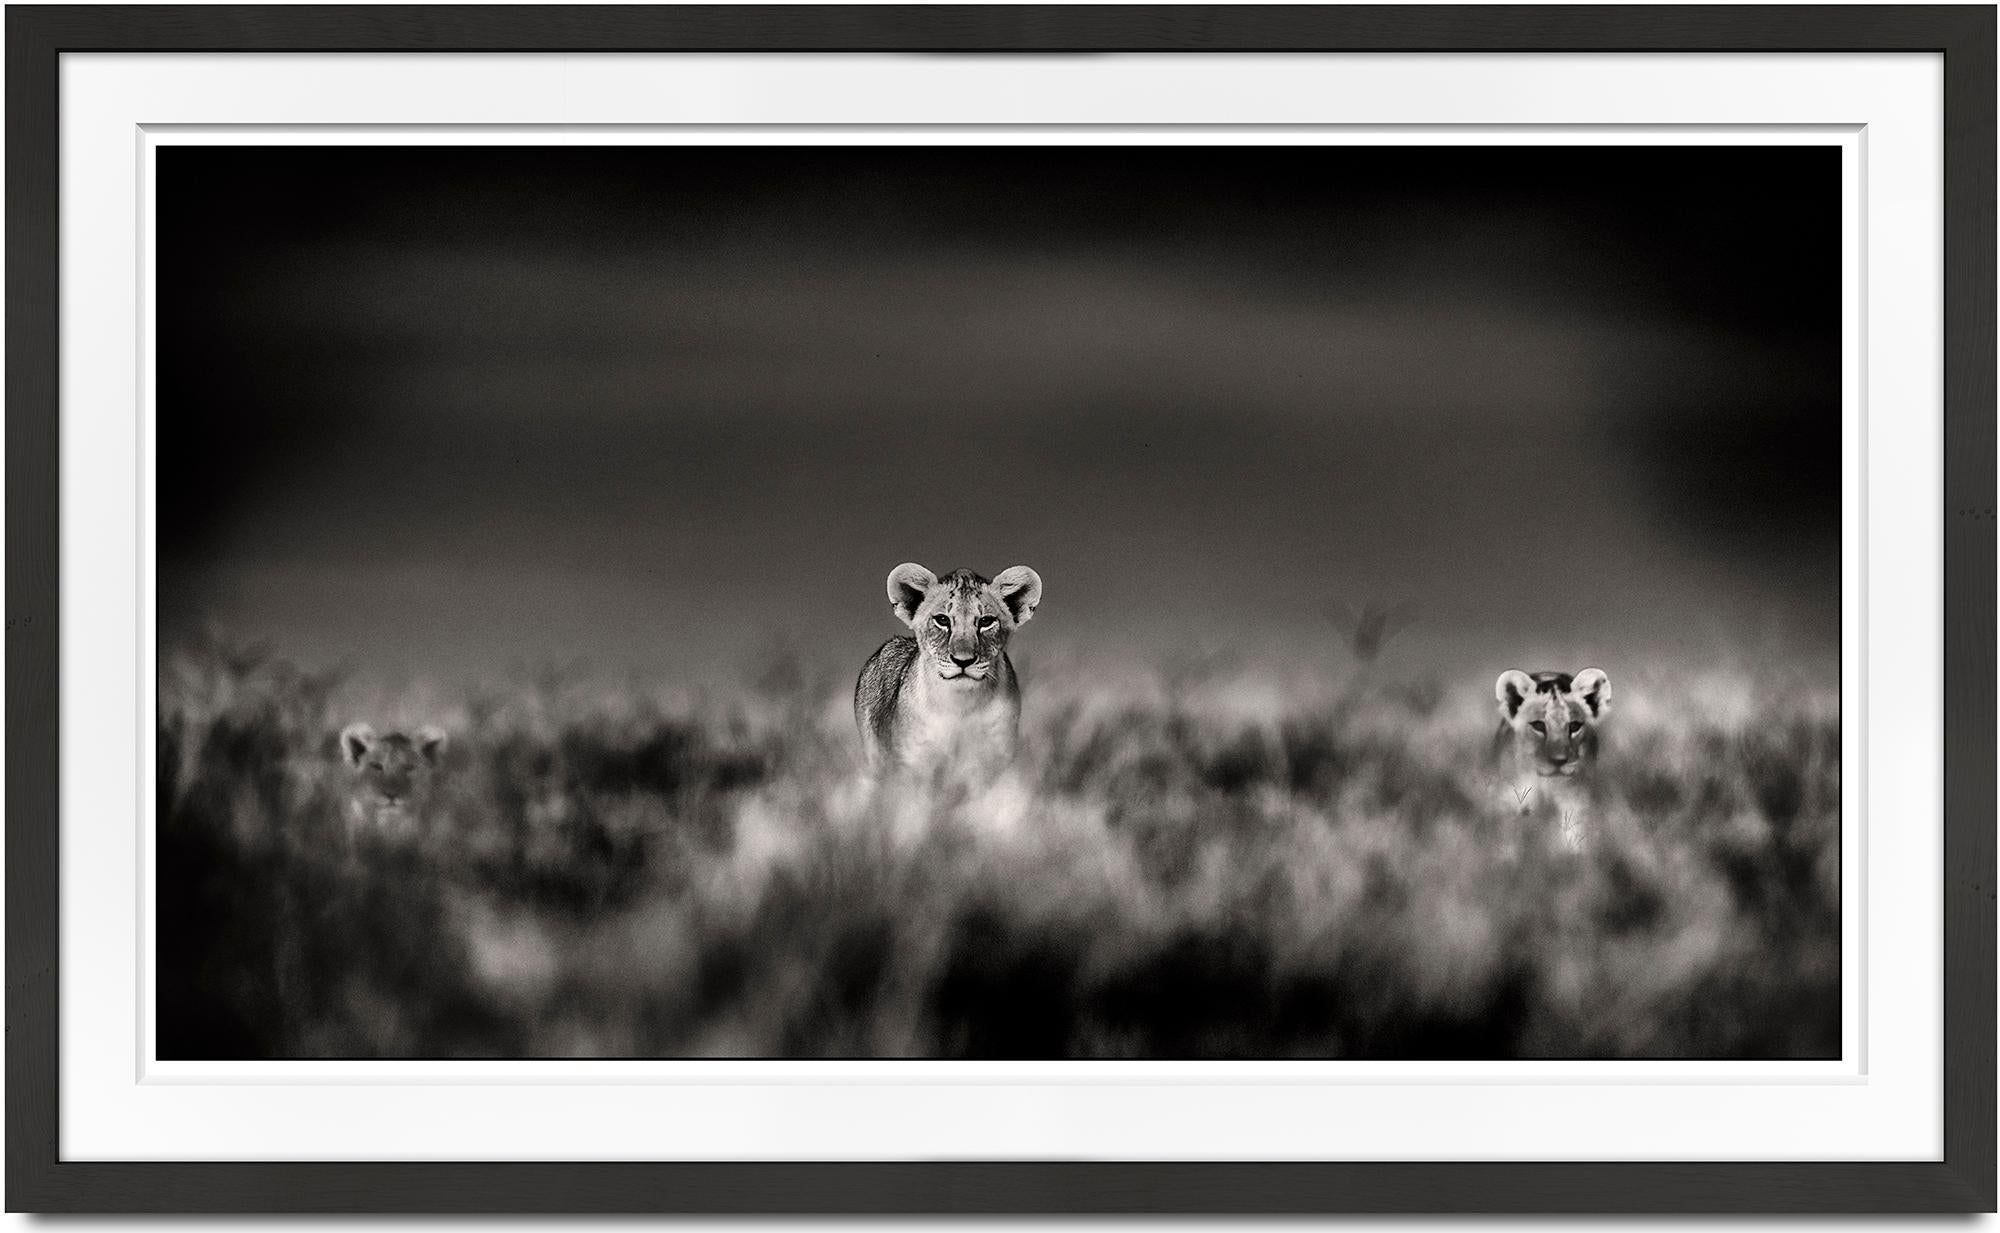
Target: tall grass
{"type": "Point", "coordinates": [1164, 874]}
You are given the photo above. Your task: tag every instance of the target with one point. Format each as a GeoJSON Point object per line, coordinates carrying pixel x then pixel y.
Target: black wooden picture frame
{"type": "Point", "coordinates": [37, 1179]}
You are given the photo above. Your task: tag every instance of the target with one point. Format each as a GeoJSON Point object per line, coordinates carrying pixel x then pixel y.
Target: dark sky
{"type": "Point", "coordinates": [446, 410]}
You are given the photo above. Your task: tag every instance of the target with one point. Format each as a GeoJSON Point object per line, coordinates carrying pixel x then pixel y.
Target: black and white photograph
{"type": "Point", "coordinates": [1114, 602]}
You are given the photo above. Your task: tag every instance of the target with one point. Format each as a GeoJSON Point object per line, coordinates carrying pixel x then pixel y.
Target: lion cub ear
{"type": "Point", "coordinates": [1592, 687]}
{"type": "Point", "coordinates": [355, 742]}
{"type": "Point", "coordinates": [430, 743]}
{"type": "Point", "coordinates": [1020, 588]}
{"type": "Point", "coordinates": [1512, 689]}
{"type": "Point", "coordinates": [908, 584]}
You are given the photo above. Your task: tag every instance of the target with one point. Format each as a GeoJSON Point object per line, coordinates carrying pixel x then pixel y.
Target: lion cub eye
{"type": "Point", "coordinates": [988, 621]}
{"type": "Point", "coordinates": [941, 621]}
{"type": "Point", "coordinates": [1575, 726]}
{"type": "Point", "coordinates": [1539, 726]}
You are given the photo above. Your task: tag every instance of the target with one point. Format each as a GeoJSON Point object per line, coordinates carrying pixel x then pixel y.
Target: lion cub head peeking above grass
{"type": "Point", "coordinates": [389, 778]}
{"type": "Point", "coordinates": [1548, 721]}
{"type": "Point", "coordinates": [1546, 747]}
{"type": "Point", "coordinates": [945, 696]}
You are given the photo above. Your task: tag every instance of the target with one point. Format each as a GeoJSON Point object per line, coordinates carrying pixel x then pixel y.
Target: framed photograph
{"type": "Point", "coordinates": [841, 609]}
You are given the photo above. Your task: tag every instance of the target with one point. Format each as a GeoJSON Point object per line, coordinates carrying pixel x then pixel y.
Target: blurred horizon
{"type": "Point", "coordinates": [666, 411]}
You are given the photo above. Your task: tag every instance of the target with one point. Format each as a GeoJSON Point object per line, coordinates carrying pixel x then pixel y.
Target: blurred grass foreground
{"type": "Point", "coordinates": [1173, 874]}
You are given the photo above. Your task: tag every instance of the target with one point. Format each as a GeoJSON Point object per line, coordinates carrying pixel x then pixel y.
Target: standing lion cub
{"type": "Point", "coordinates": [944, 697]}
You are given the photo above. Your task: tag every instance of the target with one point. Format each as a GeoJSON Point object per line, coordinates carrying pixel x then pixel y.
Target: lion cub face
{"type": "Point", "coordinates": [962, 621]}
{"type": "Point", "coordinates": [390, 775]}
{"type": "Point", "coordinates": [1551, 718]}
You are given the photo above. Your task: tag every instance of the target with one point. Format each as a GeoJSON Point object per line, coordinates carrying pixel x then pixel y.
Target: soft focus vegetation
{"type": "Point", "coordinates": [1203, 867]}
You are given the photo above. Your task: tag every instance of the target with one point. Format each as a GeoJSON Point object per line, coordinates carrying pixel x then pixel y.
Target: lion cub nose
{"type": "Point", "coordinates": [963, 661]}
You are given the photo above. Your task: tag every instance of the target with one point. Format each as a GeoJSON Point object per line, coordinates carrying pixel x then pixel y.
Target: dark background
{"type": "Point", "coordinates": [441, 411]}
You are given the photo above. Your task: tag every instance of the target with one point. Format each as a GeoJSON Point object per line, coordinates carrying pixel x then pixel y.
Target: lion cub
{"type": "Point", "coordinates": [390, 779]}
{"type": "Point", "coordinates": [1546, 747]}
{"type": "Point", "coordinates": [945, 695]}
